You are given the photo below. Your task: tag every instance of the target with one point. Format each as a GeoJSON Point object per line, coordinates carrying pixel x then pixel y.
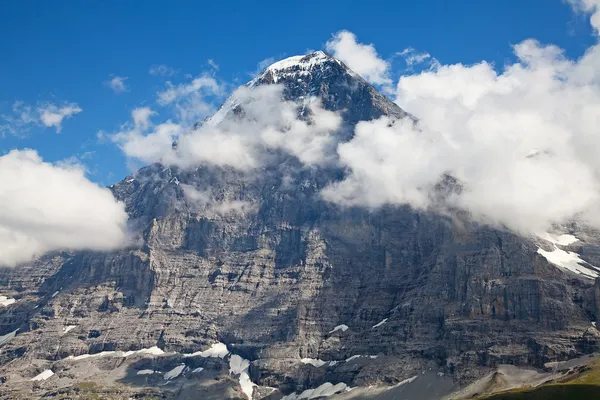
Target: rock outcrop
{"type": "Point", "coordinates": [269, 268]}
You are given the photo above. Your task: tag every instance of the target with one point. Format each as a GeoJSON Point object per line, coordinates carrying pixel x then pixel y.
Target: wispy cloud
{"type": "Point", "coordinates": [46, 114]}
{"type": "Point", "coordinates": [162, 70]}
{"type": "Point", "coordinates": [192, 100]}
{"type": "Point", "coordinates": [414, 58]}
{"type": "Point", "coordinates": [52, 115]}
{"type": "Point", "coordinates": [117, 84]}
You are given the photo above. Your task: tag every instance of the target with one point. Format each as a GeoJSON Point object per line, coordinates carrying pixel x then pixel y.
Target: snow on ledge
{"type": "Point", "coordinates": [342, 328]}
{"type": "Point", "coordinates": [43, 376]}
{"type": "Point", "coordinates": [217, 350]}
{"type": "Point", "coordinates": [6, 301]}
{"type": "Point", "coordinates": [569, 261]}
{"type": "Point", "coordinates": [69, 328]}
{"type": "Point", "coordinates": [147, 372]}
{"type": "Point", "coordinates": [239, 366]}
{"type": "Point", "coordinates": [561, 240]}
{"type": "Point", "coordinates": [155, 351]}
{"type": "Point", "coordinates": [313, 361]}
{"type": "Point", "coordinates": [174, 373]}
{"type": "Point", "coordinates": [377, 325]}
{"type": "Point", "coordinates": [325, 390]}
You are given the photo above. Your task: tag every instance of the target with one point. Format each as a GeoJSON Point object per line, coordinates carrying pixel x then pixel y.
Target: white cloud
{"type": "Point", "coordinates": [413, 58]}
{"type": "Point", "coordinates": [52, 115]}
{"type": "Point", "coordinates": [192, 100]}
{"type": "Point", "coordinates": [144, 141]}
{"type": "Point", "coordinates": [117, 84]}
{"type": "Point", "coordinates": [246, 142]}
{"type": "Point", "coordinates": [46, 114]}
{"type": "Point", "coordinates": [45, 207]}
{"type": "Point", "coordinates": [523, 141]}
{"type": "Point", "coordinates": [176, 92]}
{"type": "Point", "coordinates": [162, 70]}
{"type": "Point", "coordinates": [591, 7]}
{"type": "Point", "coordinates": [361, 58]}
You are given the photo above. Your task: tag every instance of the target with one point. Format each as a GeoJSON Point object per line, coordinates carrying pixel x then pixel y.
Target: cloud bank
{"type": "Point", "coordinates": [245, 142]}
{"type": "Point", "coordinates": [522, 140]}
{"type": "Point", "coordinates": [46, 207]}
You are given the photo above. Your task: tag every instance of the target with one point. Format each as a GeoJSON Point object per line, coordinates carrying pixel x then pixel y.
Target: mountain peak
{"type": "Point", "coordinates": [304, 62]}
{"type": "Point", "coordinates": [298, 65]}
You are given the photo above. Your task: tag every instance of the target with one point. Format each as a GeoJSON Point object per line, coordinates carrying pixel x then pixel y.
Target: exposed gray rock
{"type": "Point", "coordinates": [273, 279]}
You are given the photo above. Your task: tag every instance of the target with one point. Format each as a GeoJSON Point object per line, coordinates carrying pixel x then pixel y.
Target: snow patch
{"type": "Point", "coordinates": [594, 324]}
{"type": "Point", "coordinates": [297, 65]}
{"type": "Point", "coordinates": [155, 351]}
{"type": "Point", "coordinates": [569, 261]}
{"type": "Point", "coordinates": [377, 325]}
{"type": "Point", "coordinates": [6, 301]}
{"type": "Point", "coordinates": [239, 366]}
{"type": "Point", "coordinates": [147, 372]}
{"type": "Point", "coordinates": [313, 361]}
{"type": "Point", "coordinates": [217, 350]}
{"type": "Point", "coordinates": [342, 328]}
{"type": "Point", "coordinates": [69, 328]}
{"type": "Point", "coordinates": [561, 240]}
{"type": "Point", "coordinates": [404, 382]}
{"type": "Point", "coordinates": [43, 376]}
{"type": "Point", "coordinates": [359, 356]}
{"type": "Point", "coordinates": [55, 293]}
{"type": "Point", "coordinates": [174, 373]}
{"type": "Point", "coordinates": [325, 390]}
{"type": "Point", "coordinates": [199, 369]}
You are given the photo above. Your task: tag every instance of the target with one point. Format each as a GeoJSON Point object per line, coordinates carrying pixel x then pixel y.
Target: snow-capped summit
{"type": "Point", "coordinates": [300, 64]}
{"type": "Point", "coordinates": [317, 75]}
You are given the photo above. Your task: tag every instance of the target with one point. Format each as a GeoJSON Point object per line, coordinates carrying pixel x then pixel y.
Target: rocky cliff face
{"type": "Point", "coordinates": [306, 291]}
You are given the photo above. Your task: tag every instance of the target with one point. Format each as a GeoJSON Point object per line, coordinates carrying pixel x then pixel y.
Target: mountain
{"type": "Point", "coordinates": [251, 285]}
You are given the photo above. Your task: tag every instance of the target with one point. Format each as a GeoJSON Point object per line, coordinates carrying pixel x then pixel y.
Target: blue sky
{"type": "Point", "coordinates": [66, 52]}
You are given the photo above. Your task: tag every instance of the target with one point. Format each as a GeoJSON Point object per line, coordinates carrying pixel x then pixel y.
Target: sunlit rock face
{"type": "Point", "coordinates": [261, 263]}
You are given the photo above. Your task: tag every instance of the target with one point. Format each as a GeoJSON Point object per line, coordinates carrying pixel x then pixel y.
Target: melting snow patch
{"type": "Point", "coordinates": [239, 366]}
{"type": "Point", "coordinates": [155, 351]}
{"type": "Point", "coordinates": [380, 323]}
{"type": "Point", "coordinates": [342, 328]}
{"type": "Point", "coordinates": [325, 390]}
{"type": "Point", "coordinates": [66, 329]}
{"type": "Point", "coordinates": [562, 240]}
{"type": "Point", "coordinates": [6, 301]}
{"type": "Point", "coordinates": [147, 372]}
{"type": "Point", "coordinates": [404, 382]}
{"type": "Point", "coordinates": [174, 373]}
{"type": "Point", "coordinates": [570, 261]}
{"type": "Point", "coordinates": [43, 376]}
{"type": "Point", "coordinates": [313, 361]}
{"type": "Point", "coordinates": [217, 350]}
